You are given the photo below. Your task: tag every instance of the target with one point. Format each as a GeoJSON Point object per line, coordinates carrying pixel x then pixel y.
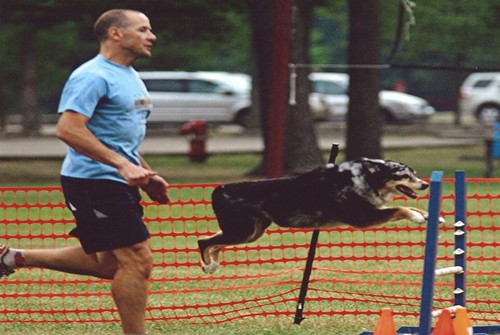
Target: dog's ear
{"type": "Point", "coordinates": [376, 172]}
{"type": "Point", "coordinates": [373, 166]}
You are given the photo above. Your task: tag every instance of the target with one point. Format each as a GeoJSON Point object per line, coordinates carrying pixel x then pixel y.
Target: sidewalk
{"type": "Point", "coordinates": [168, 142]}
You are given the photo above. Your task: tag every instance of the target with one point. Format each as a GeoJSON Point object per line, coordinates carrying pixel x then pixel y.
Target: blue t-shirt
{"type": "Point", "coordinates": [117, 103]}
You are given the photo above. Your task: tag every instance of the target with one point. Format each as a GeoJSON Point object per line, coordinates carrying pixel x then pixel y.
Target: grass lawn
{"type": "Point", "coordinates": [278, 326]}
{"type": "Point", "coordinates": [231, 167]}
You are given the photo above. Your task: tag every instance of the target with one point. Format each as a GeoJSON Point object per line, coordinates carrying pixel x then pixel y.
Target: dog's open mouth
{"type": "Point", "coordinates": [407, 191]}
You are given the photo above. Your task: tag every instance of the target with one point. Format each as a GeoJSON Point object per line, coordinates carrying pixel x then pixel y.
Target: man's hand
{"type": "Point", "coordinates": [156, 189]}
{"type": "Point", "coordinates": [135, 175]}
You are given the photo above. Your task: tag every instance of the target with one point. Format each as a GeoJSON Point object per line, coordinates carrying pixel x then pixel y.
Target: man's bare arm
{"type": "Point", "coordinates": [157, 187]}
{"type": "Point", "coordinates": [72, 129]}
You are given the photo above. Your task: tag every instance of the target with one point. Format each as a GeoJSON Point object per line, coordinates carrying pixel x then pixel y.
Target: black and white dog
{"type": "Point", "coordinates": [352, 193]}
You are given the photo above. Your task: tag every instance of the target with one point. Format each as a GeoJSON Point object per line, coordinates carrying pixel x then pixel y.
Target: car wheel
{"type": "Point", "coordinates": [243, 117]}
{"type": "Point", "coordinates": [488, 114]}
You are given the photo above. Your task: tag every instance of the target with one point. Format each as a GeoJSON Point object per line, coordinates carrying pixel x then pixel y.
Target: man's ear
{"type": "Point", "coordinates": [114, 33]}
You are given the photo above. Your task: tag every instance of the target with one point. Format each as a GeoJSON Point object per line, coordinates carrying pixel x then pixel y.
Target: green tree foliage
{"type": "Point", "coordinates": [192, 35]}
{"type": "Point", "coordinates": [446, 33]}
{"type": "Point", "coordinates": [448, 30]}
{"type": "Point", "coordinates": [456, 34]}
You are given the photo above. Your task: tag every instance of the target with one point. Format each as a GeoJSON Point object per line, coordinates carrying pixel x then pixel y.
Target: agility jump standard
{"type": "Point", "coordinates": [458, 270]}
{"type": "Point", "coordinates": [430, 271]}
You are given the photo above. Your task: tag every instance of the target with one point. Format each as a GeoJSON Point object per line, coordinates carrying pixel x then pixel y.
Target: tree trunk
{"type": "Point", "coordinates": [3, 113]}
{"type": "Point", "coordinates": [261, 20]}
{"type": "Point", "coordinates": [29, 102]}
{"type": "Point", "coordinates": [301, 148]}
{"type": "Point", "coordinates": [364, 128]}
{"type": "Point", "coordinates": [458, 79]}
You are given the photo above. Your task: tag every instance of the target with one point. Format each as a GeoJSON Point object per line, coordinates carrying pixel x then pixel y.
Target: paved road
{"type": "Point", "coordinates": [229, 140]}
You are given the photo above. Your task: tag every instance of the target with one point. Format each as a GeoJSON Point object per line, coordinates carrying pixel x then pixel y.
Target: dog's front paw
{"type": "Point", "coordinates": [209, 268]}
{"type": "Point", "coordinates": [440, 219]}
{"type": "Point", "coordinates": [418, 217]}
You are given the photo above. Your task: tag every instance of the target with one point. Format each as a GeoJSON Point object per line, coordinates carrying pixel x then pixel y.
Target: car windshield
{"type": "Point", "coordinates": [482, 83]}
{"type": "Point", "coordinates": [328, 87]}
{"type": "Point", "coordinates": [165, 85]}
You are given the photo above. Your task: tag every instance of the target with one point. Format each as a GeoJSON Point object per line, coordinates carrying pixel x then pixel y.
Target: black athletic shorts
{"type": "Point", "coordinates": [108, 213]}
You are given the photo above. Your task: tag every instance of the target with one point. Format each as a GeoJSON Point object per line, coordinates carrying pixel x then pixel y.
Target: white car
{"type": "Point", "coordinates": [209, 96]}
{"type": "Point", "coordinates": [480, 97]}
{"type": "Point", "coordinates": [332, 89]}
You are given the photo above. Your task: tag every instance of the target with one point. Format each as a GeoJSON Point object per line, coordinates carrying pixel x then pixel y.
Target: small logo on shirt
{"type": "Point", "coordinates": [141, 104]}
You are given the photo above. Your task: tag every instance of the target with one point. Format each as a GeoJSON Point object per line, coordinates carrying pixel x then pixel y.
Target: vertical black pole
{"type": "Point", "coordinates": [310, 256]}
{"type": "Point", "coordinates": [305, 279]}
{"type": "Point", "coordinates": [334, 151]}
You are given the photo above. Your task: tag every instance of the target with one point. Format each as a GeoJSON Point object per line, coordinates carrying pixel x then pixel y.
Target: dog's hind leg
{"type": "Point", "coordinates": [209, 253]}
{"type": "Point", "coordinates": [260, 228]}
{"type": "Point", "coordinates": [211, 247]}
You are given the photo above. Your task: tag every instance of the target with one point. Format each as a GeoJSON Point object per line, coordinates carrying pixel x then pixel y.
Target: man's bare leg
{"type": "Point", "coordinates": [130, 286]}
{"type": "Point", "coordinates": [73, 260]}
{"type": "Point", "coordinates": [68, 259]}
{"type": "Point", "coordinates": [129, 268]}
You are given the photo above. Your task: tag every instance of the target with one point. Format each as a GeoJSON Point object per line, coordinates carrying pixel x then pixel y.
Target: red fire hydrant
{"type": "Point", "coordinates": [196, 131]}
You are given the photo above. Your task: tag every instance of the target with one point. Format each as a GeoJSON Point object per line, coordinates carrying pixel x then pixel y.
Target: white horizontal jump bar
{"type": "Point", "coordinates": [452, 309]}
{"type": "Point", "coordinates": [449, 270]}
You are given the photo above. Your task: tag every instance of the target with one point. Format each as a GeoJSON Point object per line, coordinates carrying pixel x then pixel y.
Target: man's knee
{"type": "Point", "coordinates": [107, 271]}
{"type": "Point", "coordinates": [144, 262]}
{"type": "Point", "coordinates": [137, 258]}
{"type": "Point", "coordinates": [108, 267]}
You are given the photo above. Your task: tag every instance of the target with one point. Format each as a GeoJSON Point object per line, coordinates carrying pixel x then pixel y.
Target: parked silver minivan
{"type": "Point", "coordinates": [209, 96]}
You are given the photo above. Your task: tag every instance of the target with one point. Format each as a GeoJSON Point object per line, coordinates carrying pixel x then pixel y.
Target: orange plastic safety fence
{"type": "Point", "coordinates": [355, 273]}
